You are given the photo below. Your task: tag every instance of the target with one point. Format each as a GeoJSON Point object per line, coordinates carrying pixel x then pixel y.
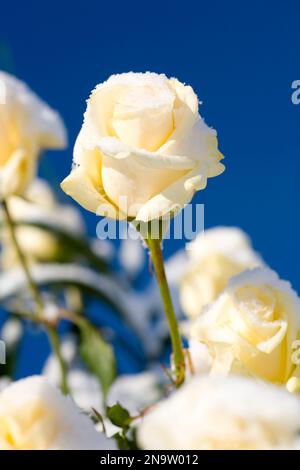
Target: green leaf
{"type": "Point", "coordinates": [122, 441]}
{"type": "Point", "coordinates": [119, 416]}
{"type": "Point", "coordinates": [126, 442]}
{"type": "Point", "coordinates": [97, 355]}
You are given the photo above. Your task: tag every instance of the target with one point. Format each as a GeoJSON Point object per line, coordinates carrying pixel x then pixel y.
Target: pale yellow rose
{"type": "Point", "coordinates": [28, 126]}
{"type": "Point", "coordinates": [36, 416]}
{"type": "Point", "coordinates": [231, 413]}
{"type": "Point", "coordinates": [143, 149]}
{"type": "Point", "coordinates": [39, 204]}
{"type": "Point", "coordinates": [213, 258]}
{"type": "Point", "coordinates": [252, 327]}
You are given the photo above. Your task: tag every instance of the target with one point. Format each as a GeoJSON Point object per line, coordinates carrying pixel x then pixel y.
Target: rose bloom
{"type": "Point", "coordinates": [36, 416]}
{"type": "Point", "coordinates": [252, 327]}
{"type": "Point", "coordinates": [213, 258]}
{"type": "Point", "coordinates": [28, 126]}
{"type": "Point", "coordinates": [38, 245]}
{"type": "Point", "coordinates": [232, 413]}
{"type": "Point", "coordinates": [143, 149]}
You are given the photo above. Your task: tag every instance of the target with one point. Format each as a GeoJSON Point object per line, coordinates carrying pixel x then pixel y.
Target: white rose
{"type": "Point", "coordinates": [252, 327]}
{"type": "Point", "coordinates": [223, 413]}
{"type": "Point", "coordinates": [28, 126]}
{"type": "Point", "coordinates": [214, 257]}
{"type": "Point", "coordinates": [143, 149]}
{"type": "Point", "coordinates": [36, 416]}
{"type": "Point", "coordinates": [37, 244]}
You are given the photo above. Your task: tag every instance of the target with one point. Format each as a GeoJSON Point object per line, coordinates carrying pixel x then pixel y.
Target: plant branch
{"type": "Point", "coordinates": [36, 295]}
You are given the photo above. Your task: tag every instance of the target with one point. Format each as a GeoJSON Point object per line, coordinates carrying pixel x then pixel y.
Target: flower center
{"type": "Point", "coordinates": [257, 301]}
{"type": "Point", "coordinates": [25, 429]}
{"type": "Point", "coordinates": [143, 116]}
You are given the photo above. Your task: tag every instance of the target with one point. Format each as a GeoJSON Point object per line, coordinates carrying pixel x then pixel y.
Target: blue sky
{"type": "Point", "coordinates": [240, 57]}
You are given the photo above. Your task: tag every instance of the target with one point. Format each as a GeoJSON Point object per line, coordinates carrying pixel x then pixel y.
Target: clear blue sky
{"type": "Point", "coordinates": [240, 57]}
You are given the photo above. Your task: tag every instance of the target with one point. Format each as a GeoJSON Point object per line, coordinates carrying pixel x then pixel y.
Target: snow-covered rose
{"type": "Point", "coordinates": [214, 257]}
{"type": "Point", "coordinates": [231, 413]}
{"type": "Point", "coordinates": [143, 149]}
{"type": "Point", "coordinates": [252, 327]}
{"type": "Point", "coordinates": [28, 126]}
{"type": "Point", "coordinates": [36, 416]}
{"type": "Point", "coordinates": [39, 204]}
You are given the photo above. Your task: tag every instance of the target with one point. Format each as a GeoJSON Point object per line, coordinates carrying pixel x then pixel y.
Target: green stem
{"type": "Point", "coordinates": [178, 352]}
{"type": "Point", "coordinates": [54, 341]}
{"type": "Point", "coordinates": [23, 262]}
{"type": "Point", "coordinates": [36, 295]}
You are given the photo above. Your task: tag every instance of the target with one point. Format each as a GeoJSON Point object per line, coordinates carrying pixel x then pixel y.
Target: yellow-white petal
{"type": "Point", "coordinates": [81, 188]}
{"type": "Point", "coordinates": [175, 196]}
{"type": "Point", "coordinates": [16, 173]}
